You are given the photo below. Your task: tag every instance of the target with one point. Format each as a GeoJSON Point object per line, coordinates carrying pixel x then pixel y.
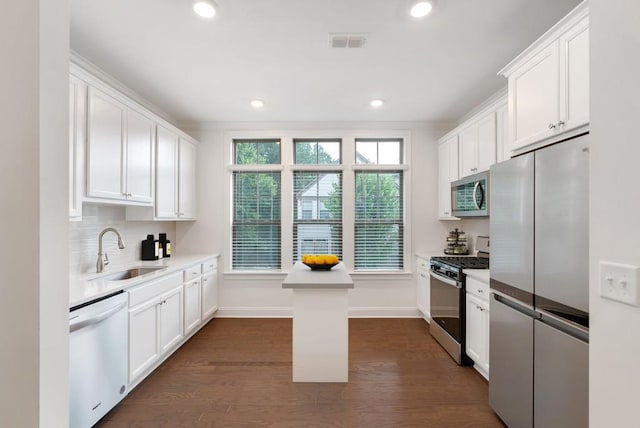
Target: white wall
{"type": "Point", "coordinates": [83, 237]}
{"type": "Point", "coordinates": [614, 207]}
{"type": "Point", "coordinates": [263, 296]}
{"type": "Point", "coordinates": [34, 255]}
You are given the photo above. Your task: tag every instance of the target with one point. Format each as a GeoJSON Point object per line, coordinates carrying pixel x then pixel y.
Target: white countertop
{"type": "Point", "coordinates": [301, 276]}
{"type": "Point", "coordinates": [85, 288]}
{"type": "Point", "coordinates": [479, 274]}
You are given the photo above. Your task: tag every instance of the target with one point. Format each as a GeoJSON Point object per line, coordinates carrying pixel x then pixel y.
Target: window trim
{"type": "Point", "coordinates": [286, 137]}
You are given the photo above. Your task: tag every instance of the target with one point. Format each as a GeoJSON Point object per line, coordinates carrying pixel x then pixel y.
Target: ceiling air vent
{"type": "Point", "coordinates": [347, 40]}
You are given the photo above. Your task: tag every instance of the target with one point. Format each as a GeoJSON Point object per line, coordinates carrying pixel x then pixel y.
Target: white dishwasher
{"type": "Point", "coordinates": [98, 354]}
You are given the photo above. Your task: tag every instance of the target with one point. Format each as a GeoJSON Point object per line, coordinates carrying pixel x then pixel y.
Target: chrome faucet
{"type": "Point", "coordinates": [105, 261]}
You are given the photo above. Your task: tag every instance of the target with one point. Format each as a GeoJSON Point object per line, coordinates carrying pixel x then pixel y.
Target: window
{"type": "Point", "coordinates": [317, 199]}
{"type": "Point", "coordinates": [379, 207]}
{"type": "Point", "coordinates": [334, 189]}
{"type": "Point", "coordinates": [256, 229]}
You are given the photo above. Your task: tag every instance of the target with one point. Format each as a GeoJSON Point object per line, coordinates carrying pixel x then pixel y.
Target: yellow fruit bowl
{"type": "Point", "coordinates": [320, 261]}
{"type": "Point", "coordinates": [320, 267]}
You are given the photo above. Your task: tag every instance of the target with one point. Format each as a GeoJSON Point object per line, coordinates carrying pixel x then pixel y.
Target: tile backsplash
{"type": "Point", "coordinates": [83, 237]}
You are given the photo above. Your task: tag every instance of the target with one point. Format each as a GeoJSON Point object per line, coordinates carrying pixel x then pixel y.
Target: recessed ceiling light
{"type": "Point", "coordinates": [204, 8]}
{"type": "Point", "coordinates": [257, 103]}
{"type": "Point", "coordinates": [376, 103]}
{"type": "Point", "coordinates": [421, 8]}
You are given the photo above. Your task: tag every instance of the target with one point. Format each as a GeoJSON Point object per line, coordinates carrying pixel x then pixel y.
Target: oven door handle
{"type": "Point", "coordinates": [446, 280]}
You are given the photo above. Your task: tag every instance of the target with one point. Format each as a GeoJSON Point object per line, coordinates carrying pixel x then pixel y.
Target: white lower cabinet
{"type": "Point", "coordinates": [424, 288]}
{"type": "Point", "coordinates": [155, 322]}
{"type": "Point", "coordinates": [209, 294]}
{"type": "Point", "coordinates": [192, 300]}
{"type": "Point", "coordinates": [171, 331]}
{"type": "Point", "coordinates": [144, 343]}
{"type": "Point", "coordinates": [166, 311]}
{"type": "Point", "coordinates": [477, 326]}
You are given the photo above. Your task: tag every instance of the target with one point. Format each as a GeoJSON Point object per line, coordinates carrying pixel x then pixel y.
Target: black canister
{"type": "Point", "coordinates": [149, 249]}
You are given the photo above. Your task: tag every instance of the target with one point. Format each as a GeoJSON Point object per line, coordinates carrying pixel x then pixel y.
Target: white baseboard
{"type": "Point", "coordinates": [254, 312]}
{"type": "Point", "coordinates": [384, 312]}
{"type": "Point", "coordinates": [276, 312]}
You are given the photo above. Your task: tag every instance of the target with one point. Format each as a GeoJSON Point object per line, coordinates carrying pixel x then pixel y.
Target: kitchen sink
{"type": "Point", "coordinates": [130, 273]}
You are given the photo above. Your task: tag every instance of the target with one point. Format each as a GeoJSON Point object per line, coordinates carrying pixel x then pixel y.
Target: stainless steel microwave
{"type": "Point", "coordinates": [470, 196]}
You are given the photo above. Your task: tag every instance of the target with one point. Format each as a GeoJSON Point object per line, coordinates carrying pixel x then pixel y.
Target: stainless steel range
{"type": "Point", "coordinates": [448, 306]}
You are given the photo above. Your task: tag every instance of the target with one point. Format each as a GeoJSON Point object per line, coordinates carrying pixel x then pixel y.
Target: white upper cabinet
{"type": "Point", "coordinates": [139, 160]}
{"type": "Point", "coordinates": [105, 145]}
{"type": "Point", "coordinates": [447, 172]}
{"type": "Point", "coordinates": [77, 135]}
{"type": "Point", "coordinates": [548, 83]}
{"type": "Point", "coordinates": [187, 180]}
{"type": "Point", "coordinates": [502, 132]}
{"type": "Point", "coordinates": [119, 151]}
{"type": "Point", "coordinates": [478, 146]}
{"type": "Point", "coordinates": [175, 177]}
{"type": "Point", "coordinates": [574, 69]}
{"type": "Point", "coordinates": [166, 174]}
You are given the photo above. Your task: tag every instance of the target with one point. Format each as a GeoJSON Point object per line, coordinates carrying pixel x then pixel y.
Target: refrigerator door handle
{"type": "Point", "coordinates": [514, 304]}
{"type": "Point", "coordinates": [564, 325]}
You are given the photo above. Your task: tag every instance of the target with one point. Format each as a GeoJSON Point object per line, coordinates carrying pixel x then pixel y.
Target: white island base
{"type": "Point", "coordinates": [320, 323]}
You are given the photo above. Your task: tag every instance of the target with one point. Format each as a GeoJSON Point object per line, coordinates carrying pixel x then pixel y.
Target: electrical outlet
{"type": "Point", "coordinates": [620, 282]}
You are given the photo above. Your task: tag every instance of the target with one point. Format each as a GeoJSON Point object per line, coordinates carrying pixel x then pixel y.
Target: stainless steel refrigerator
{"type": "Point", "coordinates": [539, 323]}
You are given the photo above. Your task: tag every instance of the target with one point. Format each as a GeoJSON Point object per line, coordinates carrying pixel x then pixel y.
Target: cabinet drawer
{"type": "Point", "coordinates": [477, 288]}
{"type": "Point", "coordinates": [209, 265]}
{"type": "Point", "coordinates": [149, 290]}
{"type": "Point", "coordinates": [192, 272]}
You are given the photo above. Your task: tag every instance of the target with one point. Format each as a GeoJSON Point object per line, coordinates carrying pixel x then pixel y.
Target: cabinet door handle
{"type": "Point", "coordinates": [480, 290]}
{"type": "Point", "coordinates": [552, 126]}
{"type": "Point", "coordinates": [560, 123]}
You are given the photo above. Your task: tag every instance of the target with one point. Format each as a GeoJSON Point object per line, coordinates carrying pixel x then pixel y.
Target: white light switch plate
{"type": "Point", "coordinates": [620, 282]}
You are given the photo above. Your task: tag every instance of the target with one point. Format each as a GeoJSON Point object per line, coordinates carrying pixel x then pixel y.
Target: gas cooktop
{"type": "Point", "coordinates": [463, 262]}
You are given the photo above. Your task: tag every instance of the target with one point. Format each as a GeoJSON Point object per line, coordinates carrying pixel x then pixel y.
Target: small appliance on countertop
{"type": "Point", "coordinates": [457, 243]}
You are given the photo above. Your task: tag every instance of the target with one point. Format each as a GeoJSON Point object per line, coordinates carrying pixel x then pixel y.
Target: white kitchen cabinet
{"type": "Point", "coordinates": [192, 302]}
{"type": "Point", "coordinates": [187, 180]}
{"type": "Point", "coordinates": [155, 322]}
{"type": "Point", "coordinates": [423, 288]}
{"type": "Point", "coordinates": [175, 176]}
{"type": "Point", "coordinates": [502, 134]}
{"type": "Point", "coordinates": [477, 324]}
{"type": "Point", "coordinates": [171, 327]}
{"type": "Point", "coordinates": [548, 84]}
{"type": "Point", "coordinates": [105, 144]}
{"type": "Point", "coordinates": [77, 136]}
{"type": "Point", "coordinates": [447, 172]}
{"type": "Point", "coordinates": [120, 143]}
{"type": "Point", "coordinates": [209, 288]}
{"type": "Point", "coordinates": [166, 174]}
{"type": "Point", "coordinates": [478, 146]}
{"type": "Point", "coordinates": [144, 343]}
{"type": "Point", "coordinates": [139, 164]}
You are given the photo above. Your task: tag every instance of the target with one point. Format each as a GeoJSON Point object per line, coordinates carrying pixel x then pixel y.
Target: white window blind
{"type": "Point", "coordinates": [256, 234]}
{"type": "Point", "coordinates": [379, 207]}
{"type": "Point", "coordinates": [317, 213]}
{"type": "Point", "coordinates": [317, 198]}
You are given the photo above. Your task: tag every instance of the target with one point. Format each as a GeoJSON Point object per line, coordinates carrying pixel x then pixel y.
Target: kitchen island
{"type": "Point", "coordinates": [320, 323]}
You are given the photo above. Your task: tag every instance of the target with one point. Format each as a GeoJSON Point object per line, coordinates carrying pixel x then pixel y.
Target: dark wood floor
{"type": "Point", "coordinates": [237, 373]}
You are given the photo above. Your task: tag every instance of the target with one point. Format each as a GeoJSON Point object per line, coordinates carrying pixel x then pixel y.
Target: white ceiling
{"type": "Point", "coordinates": [435, 69]}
